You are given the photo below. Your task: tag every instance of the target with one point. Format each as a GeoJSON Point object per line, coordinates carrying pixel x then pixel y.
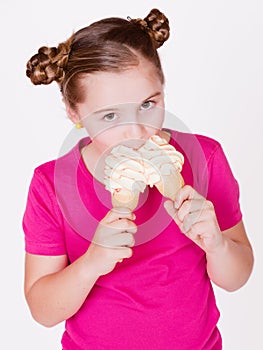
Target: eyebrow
{"type": "Point", "coordinates": [112, 109]}
{"type": "Point", "coordinates": [105, 110]}
{"type": "Point", "coordinates": [158, 93]}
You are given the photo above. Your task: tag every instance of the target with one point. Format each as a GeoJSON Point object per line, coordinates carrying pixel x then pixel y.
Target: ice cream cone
{"type": "Point", "coordinates": [125, 199]}
{"type": "Point", "coordinates": [129, 171]}
{"type": "Point", "coordinates": [170, 184]}
{"type": "Point", "coordinates": [124, 177]}
{"type": "Point", "coordinates": [164, 166]}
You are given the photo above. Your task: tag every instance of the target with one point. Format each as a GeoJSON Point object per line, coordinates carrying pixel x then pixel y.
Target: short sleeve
{"type": "Point", "coordinates": [223, 190]}
{"type": "Point", "coordinates": [42, 220]}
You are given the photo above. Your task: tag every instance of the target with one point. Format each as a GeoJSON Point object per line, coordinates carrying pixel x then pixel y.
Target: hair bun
{"type": "Point", "coordinates": [157, 25]}
{"type": "Point", "coordinates": [48, 64]}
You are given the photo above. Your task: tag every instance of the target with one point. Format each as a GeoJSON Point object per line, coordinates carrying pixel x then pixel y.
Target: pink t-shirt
{"type": "Point", "coordinates": [160, 298]}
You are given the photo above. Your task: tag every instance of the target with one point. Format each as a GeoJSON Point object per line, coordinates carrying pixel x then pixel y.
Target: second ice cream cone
{"type": "Point", "coordinates": [170, 184]}
{"type": "Point", "coordinates": [125, 199]}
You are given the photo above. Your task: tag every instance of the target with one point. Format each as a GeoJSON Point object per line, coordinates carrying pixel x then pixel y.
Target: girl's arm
{"type": "Point", "coordinates": [230, 265]}
{"type": "Point", "coordinates": [229, 253]}
{"type": "Point", "coordinates": [55, 290]}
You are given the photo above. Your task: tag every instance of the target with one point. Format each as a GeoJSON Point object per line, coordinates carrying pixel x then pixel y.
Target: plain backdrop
{"type": "Point", "coordinates": [213, 64]}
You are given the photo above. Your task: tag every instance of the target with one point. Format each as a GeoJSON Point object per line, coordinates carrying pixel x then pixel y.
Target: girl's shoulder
{"type": "Point", "coordinates": [62, 162]}
{"type": "Point", "coordinates": [190, 143]}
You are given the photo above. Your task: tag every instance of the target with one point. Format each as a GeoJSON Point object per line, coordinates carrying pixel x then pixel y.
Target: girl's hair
{"type": "Point", "coordinates": [111, 44]}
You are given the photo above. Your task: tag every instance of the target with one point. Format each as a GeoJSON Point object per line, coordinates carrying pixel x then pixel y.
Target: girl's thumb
{"type": "Point", "coordinates": [169, 207]}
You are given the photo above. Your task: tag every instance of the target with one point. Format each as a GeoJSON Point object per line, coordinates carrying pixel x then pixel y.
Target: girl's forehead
{"type": "Point", "coordinates": [145, 70]}
{"type": "Point", "coordinates": [133, 85]}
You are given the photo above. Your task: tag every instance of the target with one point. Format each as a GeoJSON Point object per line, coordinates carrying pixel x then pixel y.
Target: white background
{"type": "Point", "coordinates": [213, 63]}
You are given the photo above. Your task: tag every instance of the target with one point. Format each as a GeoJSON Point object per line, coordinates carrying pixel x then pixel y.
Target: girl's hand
{"type": "Point", "coordinates": [196, 218]}
{"type": "Point", "coordinates": [112, 240]}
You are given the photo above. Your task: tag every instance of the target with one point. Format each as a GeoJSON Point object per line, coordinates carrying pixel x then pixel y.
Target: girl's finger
{"type": "Point", "coordinates": [205, 214]}
{"type": "Point", "coordinates": [194, 233]}
{"type": "Point", "coordinates": [169, 207]}
{"type": "Point", "coordinates": [185, 193]}
{"type": "Point", "coordinates": [123, 253]}
{"type": "Point", "coordinates": [119, 213]}
{"type": "Point", "coordinates": [190, 220]}
{"type": "Point", "coordinates": [124, 225]}
{"type": "Point", "coordinates": [190, 206]}
{"type": "Point", "coordinates": [124, 239]}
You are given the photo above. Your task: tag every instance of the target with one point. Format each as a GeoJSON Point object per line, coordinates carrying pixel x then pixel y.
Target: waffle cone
{"type": "Point", "coordinates": [169, 185]}
{"type": "Point", "coordinates": [125, 199]}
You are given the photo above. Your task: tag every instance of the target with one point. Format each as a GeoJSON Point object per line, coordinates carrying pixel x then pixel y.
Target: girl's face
{"type": "Point", "coordinates": [122, 108]}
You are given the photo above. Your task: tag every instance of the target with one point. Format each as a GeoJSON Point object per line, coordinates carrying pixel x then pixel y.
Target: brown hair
{"type": "Point", "coordinates": [111, 44]}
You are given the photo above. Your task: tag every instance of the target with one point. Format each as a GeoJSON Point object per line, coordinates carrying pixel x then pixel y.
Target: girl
{"type": "Point", "coordinates": [123, 279]}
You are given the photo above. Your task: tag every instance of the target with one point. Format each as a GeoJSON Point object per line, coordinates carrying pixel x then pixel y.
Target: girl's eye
{"type": "Point", "coordinates": [147, 105]}
{"type": "Point", "coordinates": [110, 117]}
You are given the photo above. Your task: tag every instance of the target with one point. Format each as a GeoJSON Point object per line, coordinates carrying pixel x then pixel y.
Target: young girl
{"type": "Point", "coordinates": [125, 279]}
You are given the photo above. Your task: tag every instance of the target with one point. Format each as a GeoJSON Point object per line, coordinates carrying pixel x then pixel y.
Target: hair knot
{"type": "Point", "coordinates": [156, 24]}
{"type": "Point", "coordinates": [48, 64]}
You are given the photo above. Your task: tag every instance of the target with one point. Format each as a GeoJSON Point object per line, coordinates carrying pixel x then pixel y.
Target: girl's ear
{"type": "Point", "coordinates": [71, 113]}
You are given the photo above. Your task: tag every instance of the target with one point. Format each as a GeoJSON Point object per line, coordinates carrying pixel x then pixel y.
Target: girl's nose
{"type": "Point", "coordinates": [135, 130]}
